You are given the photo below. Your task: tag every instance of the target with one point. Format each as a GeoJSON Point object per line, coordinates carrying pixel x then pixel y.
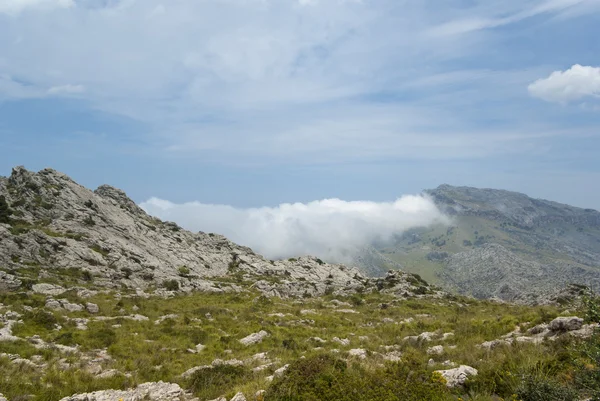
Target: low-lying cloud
{"type": "Point", "coordinates": [332, 229]}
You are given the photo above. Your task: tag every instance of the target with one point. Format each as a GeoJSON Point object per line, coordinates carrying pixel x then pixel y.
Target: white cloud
{"type": "Point", "coordinates": [66, 89]}
{"type": "Point", "coordinates": [13, 7]}
{"type": "Point", "coordinates": [332, 229]}
{"type": "Point", "coordinates": [566, 86]}
{"type": "Point", "coordinates": [272, 78]}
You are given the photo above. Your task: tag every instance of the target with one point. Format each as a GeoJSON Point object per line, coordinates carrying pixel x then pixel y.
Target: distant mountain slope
{"type": "Point", "coordinates": [503, 244]}
{"type": "Point", "coordinates": [53, 230]}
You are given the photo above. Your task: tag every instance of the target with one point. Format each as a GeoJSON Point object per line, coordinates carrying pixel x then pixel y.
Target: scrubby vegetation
{"type": "Point", "coordinates": [165, 345]}
{"type": "Point", "coordinates": [5, 211]}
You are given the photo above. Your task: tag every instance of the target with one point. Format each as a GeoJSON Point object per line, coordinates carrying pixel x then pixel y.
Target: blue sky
{"type": "Point", "coordinates": [258, 102]}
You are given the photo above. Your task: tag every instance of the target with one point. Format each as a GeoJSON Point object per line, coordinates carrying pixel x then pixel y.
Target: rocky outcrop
{"type": "Point", "coordinates": [561, 326]}
{"type": "Point", "coordinates": [493, 271]}
{"type": "Point", "coordinates": [565, 324]}
{"type": "Point", "coordinates": [67, 231]}
{"type": "Point", "coordinates": [457, 376]}
{"type": "Point", "coordinates": [9, 282]}
{"type": "Point", "coordinates": [155, 391]}
{"type": "Point", "coordinates": [254, 338]}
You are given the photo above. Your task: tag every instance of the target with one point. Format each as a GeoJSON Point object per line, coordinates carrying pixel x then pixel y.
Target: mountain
{"type": "Point", "coordinates": [502, 244]}
{"type": "Point", "coordinates": [53, 230]}
{"type": "Point", "coordinates": [101, 302]}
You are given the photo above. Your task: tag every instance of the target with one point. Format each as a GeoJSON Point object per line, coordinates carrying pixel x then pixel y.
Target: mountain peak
{"type": "Point", "coordinates": [120, 197]}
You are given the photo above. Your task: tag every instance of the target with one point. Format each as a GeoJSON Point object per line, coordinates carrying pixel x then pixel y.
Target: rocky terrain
{"type": "Point", "coordinates": [101, 302]}
{"type": "Point", "coordinates": [503, 244]}
{"type": "Point", "coordinates": [58, 230]}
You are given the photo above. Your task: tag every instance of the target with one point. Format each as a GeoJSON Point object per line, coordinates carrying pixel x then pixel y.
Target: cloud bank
{"type": "Point", "coordinates": [566, 86]}
{"type": "Point", "coordinates": [331, 228]}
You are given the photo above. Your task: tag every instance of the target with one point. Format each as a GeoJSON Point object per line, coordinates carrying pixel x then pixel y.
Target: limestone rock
{"type": "Point", "coordinates": [457, 376]}
{"type": "Point", "coordinates": [254, 338]}
{"type": "Point", "coordinates": [53, 304]}
{"type": "Point", "coordinates": [8, 282]}
{"type": "Point", "coordinates": [8, 320]}
{"type": "Point", "coordinates": [114, 241]}
{"type": "Point", "coordinates": [92, 308]}
{"type": "Point", "coordinates": [566, 324]}
{"type": "Point", "coordinates": [342, 341]}
{"type": "Point", "coordinates": [153, 391]}
{"type": "Point", "coordinates": [393, 356]}
{"type": "Point", "coordinates": [48, 289]}
{"type": "Point", "coordinates": [71, 307]}
{"type": "Point", "coordinates": [238, 397]}
{"type": "Point", "coordinates": [279, 372]}
{"type": "Point", "coordinates": [358, 353]}
{"type": "Point", "coordinates": [435, 350]}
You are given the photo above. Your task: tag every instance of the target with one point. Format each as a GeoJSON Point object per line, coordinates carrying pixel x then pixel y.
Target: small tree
{"type": "Point", "coordinates": [5, 211]}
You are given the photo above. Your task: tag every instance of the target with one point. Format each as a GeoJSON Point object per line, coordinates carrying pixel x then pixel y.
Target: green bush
{"type": "Point", "coordinates": [217, 381]}
{"type": "Point", "coordinates": [592, 306]}
{"type": "Point", "coordinates": [588, 367]}
{"type": "Point", "coordinates": [184, 271]}
{"type": "Point", "coordinates": [42, 318]}
{"type": "Point", "coordinates": [101, 338]}
{"type": "Point", "coordinates": [544, 389]}
{"type": "Point", "coordinates": [5, 211]}
{"type": "Point", "coordinates": [171, 285]}
{"type": "Point", "coordinates": [327, 378]}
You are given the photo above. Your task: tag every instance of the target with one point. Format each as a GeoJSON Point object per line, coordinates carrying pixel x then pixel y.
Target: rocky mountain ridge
{"type": "Point", "coordinates": [58, 231]}
{"type": "Point", "coordinates": [503, 244]}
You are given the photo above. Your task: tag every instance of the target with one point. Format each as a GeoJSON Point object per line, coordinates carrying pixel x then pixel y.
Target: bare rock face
{"type": "Point", "coordinates": [103, 237]}
{"type": "Point", "coordinates": [155, 391]}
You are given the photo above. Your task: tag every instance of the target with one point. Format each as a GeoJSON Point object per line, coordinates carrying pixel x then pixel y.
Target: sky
{"type": "Point", "coordinates": [259, 103]}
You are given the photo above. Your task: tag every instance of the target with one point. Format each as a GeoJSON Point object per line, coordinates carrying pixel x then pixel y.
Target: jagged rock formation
{"type": "Point", "coordinates": [59, 231]}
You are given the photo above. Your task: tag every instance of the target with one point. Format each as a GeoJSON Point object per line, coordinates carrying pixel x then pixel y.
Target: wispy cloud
{"type": "Point", "coordinates": [14, 7]}
{"type": "Point", "coordinates": [66, 89]}
{"type": "Point", "coordinates": [326, 80]}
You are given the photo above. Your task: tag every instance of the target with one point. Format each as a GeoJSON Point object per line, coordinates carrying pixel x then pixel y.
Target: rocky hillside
{"type": "Point", "coordinates": [503, 244]}
{"type": "Point", "coordinates": [56, 231]}
{"type": "Point", "coordinates": [101, 302]}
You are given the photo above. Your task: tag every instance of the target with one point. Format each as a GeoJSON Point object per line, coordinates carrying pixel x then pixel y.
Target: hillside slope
{"type": "Point", "coordinates": [57, 231]}
{"type": "Point", "coordinates": [503, 244]}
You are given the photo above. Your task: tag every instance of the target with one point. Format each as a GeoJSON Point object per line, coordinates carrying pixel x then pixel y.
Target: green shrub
{"type": "Point", "coordinates": [100, 338]}
{"type": "Point", "coordinates": [588, 367]}
{"type": "Point", "coordinates": [184, 271]}
{"type": "Point", "coordinates": [544, 389]}
{"type": "Point", "coordinates": [41, 318]}
{"type": "Point", "coordinates": [217, 381]}
{"type": "Point", "coordinates": [171, 285]}
{"type": "Point", "coordinates": [86, 275]}
{"type": "Point", "coordinates": [327, 378]}
{"type": "Point", "coordinates": [5, 211]}
{"type": "Point", "coordinates": [592, 309]}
